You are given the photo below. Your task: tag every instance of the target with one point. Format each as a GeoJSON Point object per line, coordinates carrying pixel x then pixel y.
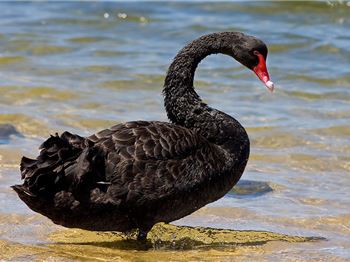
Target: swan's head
{"type": "Point", "coordinates": [252, 53]}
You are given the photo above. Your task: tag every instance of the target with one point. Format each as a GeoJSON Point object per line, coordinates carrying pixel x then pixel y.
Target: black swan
{"type": "Point", "coordinates": [136, 174]}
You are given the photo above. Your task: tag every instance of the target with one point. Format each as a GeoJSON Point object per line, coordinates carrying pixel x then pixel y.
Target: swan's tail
{"type": "Point", "coordinates": [51, 170]}
{"type": "Point", "coordinates": [61, 177]}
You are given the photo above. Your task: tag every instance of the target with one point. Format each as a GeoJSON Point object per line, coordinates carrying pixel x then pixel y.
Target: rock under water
{"type": "Point", "coordinates": [79, 244]}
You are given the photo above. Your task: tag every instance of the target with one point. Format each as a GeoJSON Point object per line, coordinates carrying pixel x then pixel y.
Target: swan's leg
{"type": "Point", "coordinates": [142, 235]}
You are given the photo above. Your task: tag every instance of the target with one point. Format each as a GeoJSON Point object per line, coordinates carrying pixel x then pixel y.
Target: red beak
{"type": "Point", "coordinates": [261, 71]}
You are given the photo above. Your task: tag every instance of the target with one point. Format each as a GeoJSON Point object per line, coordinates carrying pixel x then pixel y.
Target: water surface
{"type": "Point", "coordinates": [82, 67]}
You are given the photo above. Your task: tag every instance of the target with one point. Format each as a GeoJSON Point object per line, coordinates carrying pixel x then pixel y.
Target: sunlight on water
{"type": "Point", "coordinates": [83, 67]}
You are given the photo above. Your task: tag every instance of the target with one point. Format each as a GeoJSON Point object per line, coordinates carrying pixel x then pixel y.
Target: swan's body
{"type": "Point", "coordinates": [136, 174]}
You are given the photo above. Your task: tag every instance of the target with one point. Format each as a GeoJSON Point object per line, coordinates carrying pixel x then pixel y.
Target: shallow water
{"type": "Point", "coordinates": [85, 66]}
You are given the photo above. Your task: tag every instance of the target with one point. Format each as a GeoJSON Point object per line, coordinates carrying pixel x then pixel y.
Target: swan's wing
{"type": "Point", "coordinates": [148, 161]}
{"type": "Point", "coordinates": [142, 140]}
{"type": "Point", "coordinates": [133, 166]}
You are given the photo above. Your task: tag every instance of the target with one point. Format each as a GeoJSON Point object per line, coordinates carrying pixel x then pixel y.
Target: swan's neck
{"type": "Point", "coordinates": [184, 106]}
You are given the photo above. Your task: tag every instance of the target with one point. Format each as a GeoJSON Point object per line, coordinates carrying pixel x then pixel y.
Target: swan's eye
{"type": "Point", "coordinates": [255, 56]}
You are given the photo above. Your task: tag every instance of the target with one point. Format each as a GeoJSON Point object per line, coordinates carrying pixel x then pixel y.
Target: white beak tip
{"type": "Point", "coordinates": [270, 86]}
